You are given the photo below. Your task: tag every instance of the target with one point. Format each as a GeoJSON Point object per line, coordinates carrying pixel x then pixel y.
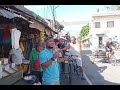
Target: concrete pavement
{"type": "Point", "coordinates": [76, 80]}
{"type": "Point", "coordinates": [101, 73]}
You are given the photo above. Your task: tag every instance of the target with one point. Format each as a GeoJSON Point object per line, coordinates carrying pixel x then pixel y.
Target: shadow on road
{"type": "Point", "coordinates": [93, 71]}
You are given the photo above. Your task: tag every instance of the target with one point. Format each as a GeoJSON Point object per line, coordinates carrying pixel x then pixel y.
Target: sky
{"type": "Point", "coordinates": [68, 13]}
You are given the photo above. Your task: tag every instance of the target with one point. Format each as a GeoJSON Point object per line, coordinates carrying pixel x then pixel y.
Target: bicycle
{"type": "Point", "coordinates": [112, 59]}
{"type": "Point", "coordinates": [72, 62]}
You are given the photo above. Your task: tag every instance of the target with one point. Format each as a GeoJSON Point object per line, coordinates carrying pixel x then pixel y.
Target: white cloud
{"type": "Point", "coordinates": [74, 29]}
{"type": "Point", "coordinates": [74, 17]}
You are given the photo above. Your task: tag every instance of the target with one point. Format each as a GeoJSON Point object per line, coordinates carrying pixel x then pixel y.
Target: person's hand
{"type": "Point", "coordinates": [78, 54]}
{"type": "Point", "coordinates": [61, 60]}
{"type": "Point", "coordinates": [56, 55]}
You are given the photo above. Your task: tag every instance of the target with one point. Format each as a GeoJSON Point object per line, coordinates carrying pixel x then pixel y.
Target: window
{"type": "Point", "coordinates": [110, 24]}
{"type": "Point", "coordinates": [97, 24]}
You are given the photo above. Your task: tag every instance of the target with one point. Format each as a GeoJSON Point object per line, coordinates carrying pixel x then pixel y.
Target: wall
{"type": "Point", "coordinates": [110, 32]}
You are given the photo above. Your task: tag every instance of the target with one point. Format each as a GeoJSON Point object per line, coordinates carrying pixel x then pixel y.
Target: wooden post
{"type": "Point", "coordinates": [40, 38]}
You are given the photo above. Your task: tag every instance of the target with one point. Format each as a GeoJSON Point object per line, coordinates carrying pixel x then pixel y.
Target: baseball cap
{"type": "Point", "coordinates": [49, 37]}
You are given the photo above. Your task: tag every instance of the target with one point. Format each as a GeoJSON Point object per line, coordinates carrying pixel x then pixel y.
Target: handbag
{"type": "Point", "coordinates": [37, 64]}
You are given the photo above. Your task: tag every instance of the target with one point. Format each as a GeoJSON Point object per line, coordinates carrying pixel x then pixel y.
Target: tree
{"type": "Point", "coordinates": [84, 32]}
{"type": "Point", "coordinates": [118, 7]}
{"type": "Point", "coordinates": [68, 36]}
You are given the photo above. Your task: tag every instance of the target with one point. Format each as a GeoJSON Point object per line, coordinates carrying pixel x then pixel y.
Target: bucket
{"type": "Point", "coordinates": [25, 66]}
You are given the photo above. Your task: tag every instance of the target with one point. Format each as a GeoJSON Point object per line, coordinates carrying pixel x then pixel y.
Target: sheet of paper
{"type": "Point", "coordinates": [7, 67]}
{"type": "Point", "coordinates": [5, 61]}
{"type": "Point", "coordinates": [0, 62]}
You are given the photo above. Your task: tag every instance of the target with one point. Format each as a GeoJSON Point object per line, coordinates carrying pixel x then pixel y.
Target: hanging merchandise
{"type": "Point", "coordinates": [6, 33]}
{"type": "Point", "coordinates": [5, 40]}
{"type": "Point", "coordinates": [1, 37]}
{"type": "Point", "coordinates": [32, 47]}
{"type": "Point", "coordinates": [22, 46]}
{"type": "Point", "coordinates": [15, 36]}
{"type": "Point", "coordinates": [8, 40]}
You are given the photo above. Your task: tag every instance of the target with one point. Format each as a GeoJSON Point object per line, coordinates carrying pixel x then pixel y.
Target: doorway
{"type": "Point", "coordinates": [100, 41]}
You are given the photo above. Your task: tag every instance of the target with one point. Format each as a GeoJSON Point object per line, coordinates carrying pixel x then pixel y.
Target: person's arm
{"type": "Point", "coordinates": [46, 63]}
{"type": "Point", "coordinates": [62, 59]}
{"type": "Point", "coordinates": [79, 48]}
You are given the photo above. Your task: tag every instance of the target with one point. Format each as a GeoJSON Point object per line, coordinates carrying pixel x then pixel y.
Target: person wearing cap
{"type": "Point", "coordinates": [34, 55]}
{"type": "Point", "coordinates": [50, 63]}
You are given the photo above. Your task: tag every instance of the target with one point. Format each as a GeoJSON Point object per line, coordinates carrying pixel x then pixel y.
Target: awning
{"type": "Point", "coordinates": [101, 35]}
{"type": "Point", "coordinates": [7, 14]}
{"type": "Point", "coordinates": [11, 15]}
{"type": "Point", "coordinates": [28, 12]}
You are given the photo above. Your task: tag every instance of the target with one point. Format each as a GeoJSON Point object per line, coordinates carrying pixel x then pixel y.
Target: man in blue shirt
{"type": "Point", "coordinates": [50, 63]}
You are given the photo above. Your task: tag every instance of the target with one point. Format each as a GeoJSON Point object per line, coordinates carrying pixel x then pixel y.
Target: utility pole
{"type": "Point", "coordinates": [53, 13]}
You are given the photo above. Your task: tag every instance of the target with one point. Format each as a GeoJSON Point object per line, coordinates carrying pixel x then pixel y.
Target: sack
{"type": "Point", "coordinates": [37, 64]}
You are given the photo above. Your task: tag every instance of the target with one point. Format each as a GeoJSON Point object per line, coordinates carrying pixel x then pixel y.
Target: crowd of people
{"type": "Point", "coordinates": [47, 59]}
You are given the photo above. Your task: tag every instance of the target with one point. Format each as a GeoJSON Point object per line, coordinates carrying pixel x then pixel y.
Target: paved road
{"type": "Point", "coordinates": [76, 80]}
{"type": "Point", "coordinates": [100, 73]}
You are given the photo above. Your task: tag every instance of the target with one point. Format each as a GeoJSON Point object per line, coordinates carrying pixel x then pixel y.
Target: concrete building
{"type": "Point", "coordinates": [104, 26]}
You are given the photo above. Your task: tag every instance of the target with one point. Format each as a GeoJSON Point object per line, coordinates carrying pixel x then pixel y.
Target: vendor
{"type": "Point", "coordinates": [34, 56]}
{"type": "Point", "coordinates": [17, 57]}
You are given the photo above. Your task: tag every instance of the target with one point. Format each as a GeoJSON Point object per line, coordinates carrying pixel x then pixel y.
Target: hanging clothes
{"type": "Point", "coordinates": [15, 36]}
{"type": "Point", "coordinates": [22, 46]}
{"type": "Point", "coordinates": [6, 33]}
{"type": "Point", "coordinates": [1, 37]}
{"type": "Point", "coordinates": [8, 40]}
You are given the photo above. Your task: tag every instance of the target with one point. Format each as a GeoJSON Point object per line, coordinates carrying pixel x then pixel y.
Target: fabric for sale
{"type": "Point", "coordinates": [6, 32]}
{"type": "Point", "coordinates": [22, 46]}
{"type": "Point", "coordinates": [15, 38]}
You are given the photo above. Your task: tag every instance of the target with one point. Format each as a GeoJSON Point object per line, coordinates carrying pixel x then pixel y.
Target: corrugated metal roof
{"type": "Point", "coordinates": [25, 10]}
{"type": "Point", "coordinates": [7, 14]}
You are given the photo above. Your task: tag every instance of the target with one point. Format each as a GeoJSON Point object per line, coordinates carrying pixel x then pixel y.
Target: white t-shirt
{"type": "Point", "coordinates": [73, 49]}
{"type": "Point", "coordinates": [15, 36]}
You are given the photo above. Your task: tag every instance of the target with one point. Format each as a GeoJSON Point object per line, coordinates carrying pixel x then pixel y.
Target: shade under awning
{"type": "Point", "coordinates": [7, 14]}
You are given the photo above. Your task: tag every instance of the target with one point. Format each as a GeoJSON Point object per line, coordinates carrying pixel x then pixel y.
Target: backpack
{"type": "Point", "coordinates": [37, 64]}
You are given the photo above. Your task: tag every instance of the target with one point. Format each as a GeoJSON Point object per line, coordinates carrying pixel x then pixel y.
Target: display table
{"type": "Point", "coordinates": [21, 82]}
{"type": "Point", "coordinates": [11, 78]}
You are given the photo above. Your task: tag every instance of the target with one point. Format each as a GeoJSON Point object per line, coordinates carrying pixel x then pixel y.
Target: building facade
{"type": "Point", "coordinates": [104, 26]}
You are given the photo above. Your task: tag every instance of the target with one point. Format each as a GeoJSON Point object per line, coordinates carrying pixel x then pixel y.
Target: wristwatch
{"type": "Point", "coordinates": [52, 59]}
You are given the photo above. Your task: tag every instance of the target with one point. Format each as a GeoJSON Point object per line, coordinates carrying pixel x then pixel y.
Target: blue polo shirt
{"type": "Point", "coordinates": [52, 72]}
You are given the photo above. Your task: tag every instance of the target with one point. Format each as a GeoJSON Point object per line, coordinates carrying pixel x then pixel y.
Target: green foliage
{"type": "Point", "coordinates": [58, 26]}
{"type": "Point", "coordinates": [84, 32]}
{"type": "Point", "coordinates": [118, 7]}
{"type": "Point", "coordinates": [68, 36]}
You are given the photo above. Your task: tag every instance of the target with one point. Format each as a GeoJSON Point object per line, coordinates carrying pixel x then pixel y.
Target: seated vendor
{"type": "Point", "coordinates": [17, 57]}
